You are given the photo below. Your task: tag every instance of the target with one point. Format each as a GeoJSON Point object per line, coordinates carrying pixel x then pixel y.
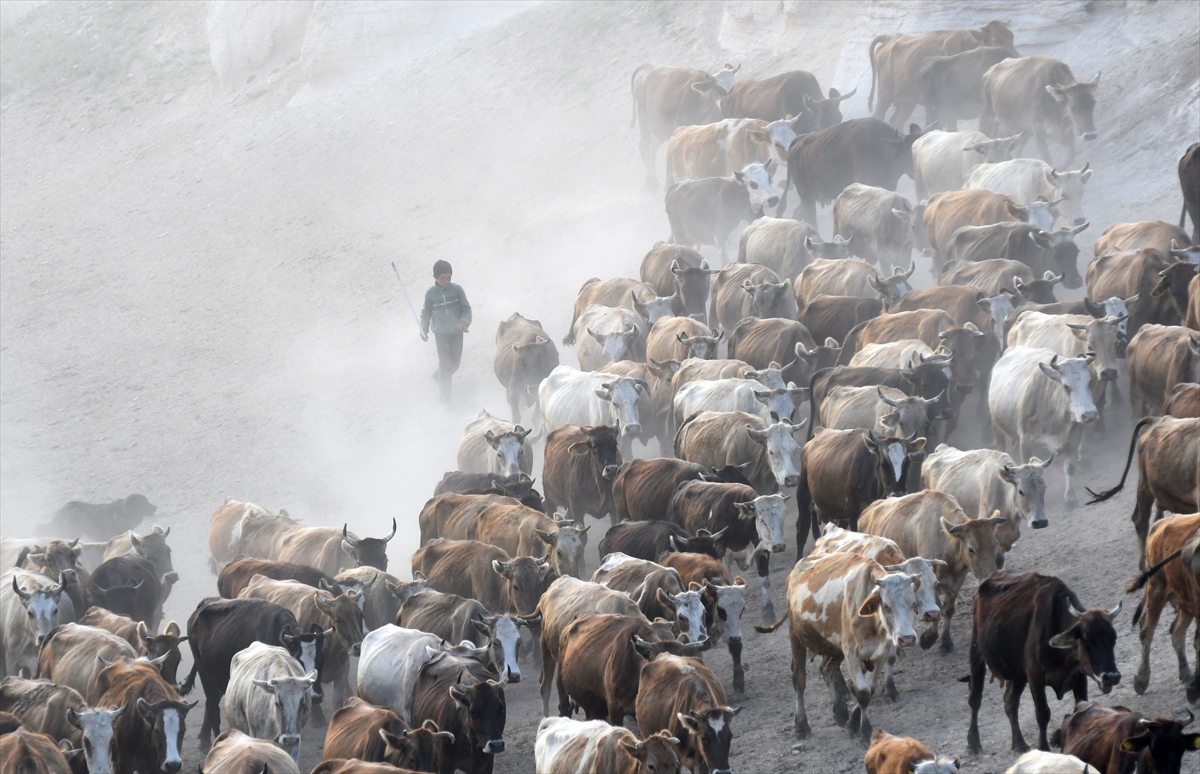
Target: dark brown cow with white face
{"type": "Point", "coordinates": [1160, 284]}
{"type": "Point", "coordinates": [1120, 741]}
{"type": "Point", "coordinates": [524, 356]}
{"type": "Point", "coordinates": [707, 210]}
{"type": "Point", "coordinates": [1031, 630]}
{"type": "Point", "coordinates": [895, 60]}
{"type": "Point", "coordinates": [1160, 357]}
{"type": "Point", "coordinates": [949, 85]}
{"type": "Point", "coordinates": [378, 735]}
{"type": "Point", "coordinates": [149, 736]}
{"type": "Point", "coordinates": [665, 98]}
{"type": "Point", "coordinates": [724, 601]}
{"type": "Point", "coordinates": [678, 269]}
{"type": "Point", "coordinates": [581, 463]}
{"type": "Point", "coordinates": [462, 697]}
{"type": "Point", "coordinates": [1038, 94]}
{"type": "Point", "coordinates": [682, 696]}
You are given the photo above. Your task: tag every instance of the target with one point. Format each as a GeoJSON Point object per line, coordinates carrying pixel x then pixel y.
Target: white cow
{"type": "Point", "coordinates": [491, 445]}
{"type": "Point", "coordinates": [943, 161]}
{"type": "Point", "coordinates": [586, 398]}
{"type": "Point", "coordinates": [886, 410]}
{"type": "Point", "coordinates": [715, 439]}
{"type": "Point", "coordinates": [985, 481]}
{"type": "Point", "coordinates": [905, 353]}
{"type": "Point", "coordinates": [1038, 762]}
{"type": "Point", "coordinates": [878, 222]}
{"type": "Point", "coordinates": [32, 605]}
{"type": "Point", "coordinates": [605, 334]}
{"type": "Point", "coordinates": [595, 747]}
{"type": "Point", "coordinates": [1072, 335]}
{"type": "Point", "coordinates": [785, 246]}
{"type": "Point", "coordinates": [389, 662]}
{"type": "Point", "coordinates": [269, 695]}
{"type": "Point", "coordinates": [746, 395]}
{"type": "Point", "coordinates": [1027, 179]}
{"type": "Point", "coordinates": [1045, 402]}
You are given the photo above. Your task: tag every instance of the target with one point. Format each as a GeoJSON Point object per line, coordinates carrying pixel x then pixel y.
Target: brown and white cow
{"type": "Point", "coordinates": [904, 755]}
{"type": "Point", "coordinates": [683, 697]}
{"type": "Point", "coordinates": [846, 608]}
{"type": "Point", "coordinates": [717, 149]}
{"type": "Point", "coordinates": [60, 713]}
{"type": "Point", "coordinates": [595, 747]}
{"type": "Point", "coordinates": [720, 438]}
{"type": "Point", "coordinates": [1033, 180]}
{"type": "Point", "coordinates": [479, 571]}
{"type": "Point", "coordinates": [1039, 94]}
{"type": "Point", "coordinates": [933, 525]}
{"type": "Point", "coordinates": [676, 269]}
{"type": "Point", "coordinates": [665, 98]}
{"type": "Point", "coordinates": [1121, 741]}
{"type": "Point", "coordinates": [149, 735]}
{"type": "Point", "coordinates": [378, 735]}
{"type": "Point", "coordinates": [1160, 357]}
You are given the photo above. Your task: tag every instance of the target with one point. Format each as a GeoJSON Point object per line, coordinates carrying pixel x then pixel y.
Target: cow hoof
{"type": "Point", "coordinates": [739, 682]}
{"type": "Point", "coordinates": [928, 637]}
{"type": "Point", "coordinates": [973, 745]}
{"type": "Point", "coordinates": [768, 614]}
{"type": "Point", "coordinates": [889, 691]}
{"type": "Point", "coordinates": [1019, 746]}
{"type": "Point", "coordinates": [840, 716]}
{"type": "Point", "coordinates": [802, 730]}
{"type": "Point", "coordinates": [947, 646]}
{"type": "Point", "coordinates": [1141, 683]}
{"type": "Point", "coordinates": [1072, 503]}
{"type": "Point", "coordinates": [1193, 694]}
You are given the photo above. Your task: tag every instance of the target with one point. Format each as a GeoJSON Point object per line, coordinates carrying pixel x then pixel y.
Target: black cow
{"type": "Point", "coordinates": [219, 628]}
{"type": "Point", "coordinates": [581, 463]}
{"type": "Point", "coordinates": [706, 211]}
{"type": "Point", "coordinates": [1031, 629]}
{"type": "Point", "coordinates": [862, 150]}
{"type": "Point", "coordinates": [463, 697]}
{"type": "Point", "coordinates": [649, 539]}
{"type": "Point", "coordinates": [1024, 242]}
{"type": "Point", "coordinates": [950, 86]}
{"type": "Point", "coordinates": [128, 585]}
{"type": "Point", "coordinates": [99, 521]}
{"type": "Point", "coordinates": [1118, 740]}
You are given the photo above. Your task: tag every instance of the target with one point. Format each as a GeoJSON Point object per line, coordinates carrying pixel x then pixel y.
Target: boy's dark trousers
{"type": "Point", "coordinates": [449, 349]}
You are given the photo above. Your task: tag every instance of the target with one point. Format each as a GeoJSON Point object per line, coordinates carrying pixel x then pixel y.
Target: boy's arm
{"type": "Point", "coordinates": [465, 317]}
{"type": "Point", "coordinates": [426, 316]}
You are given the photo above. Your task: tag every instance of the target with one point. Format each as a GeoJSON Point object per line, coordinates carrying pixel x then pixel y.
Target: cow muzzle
{"type": "Point", "coordinates": [288, 740]}
{"type": "Point", "coordinates": [1108, 374]}
{"type": "Point", "coordinates": [1040, 523]}
{"type": "Point", "coordinates": [1107, 680]}
{"type": "Point", "coordinates": [777, 548]}
{"type": "Point", "coordinates": [1088, 135]}
{"type": "Point", "coordinates": [610, 471]}
{"type": "Point", "coordinates": [964, 388]}
{"type": "Point", "coordinates": [494, 746]}
{"type": "Point", "coordinates": [932, 615]}
{"type": "Point", "coordinates": [774, 200]}
{"type": "Point", "coordinates": [790, 481]}
{"type": "Point", "coordinates": [316, 693]}
{"type": "Point", "coordinates": [632, 429]}
{"type": "Point", "coordinates": [1089, 417]}
{"type": "Point", "coordinates": [170, 577]}
{"type": "Point", "coordinates": [907, 641]}
{"type": "Point", "coordinates": [172, 766]}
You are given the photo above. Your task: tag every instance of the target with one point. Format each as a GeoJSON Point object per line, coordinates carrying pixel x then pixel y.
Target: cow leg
{"type": "Point", "coordinates": [1179, 629]}
{"type": "Point", "coordinates": [764, 579]}
{"type": "Point", "coordinates": [952, 589]}
{"type": "Point", "coordinates": [514, 404]}
{"type": "Point", "coordinates": [807, 210]}
{"type": "Point", "coordinates": [1069, 462]}
{"type": "Point", "coordinates": [1141, 518]}
{"type": "Point", "coordinates": [212, 714]}
{"type": "Point", "coordinates": [1193, 689]}
{"type": "Point", "coordinates": [861, 684]}
{"type": "Point", "coordinates": [889, 684]}
{"type": "Point", "coordinates": [831, 672]}
{"type": "Point", "coordinates": [1012, 707]}
{"type": "Point", "coordinates": [1043, 145]}
{"type": "Point", "coordinates": [804, 515]}
{"type": "Point", "coordinates": [739, 673]}
{"type": "Point", "coordinates": [564, 701]}
{"type": "Point", "coordinates": [904, 111]}
{"type": "Point", "coordinates": [546, 677]}
{"type": "Point", "coordinates": [799, 681]}
{"type": "Point", "coordinates": [975, 695]}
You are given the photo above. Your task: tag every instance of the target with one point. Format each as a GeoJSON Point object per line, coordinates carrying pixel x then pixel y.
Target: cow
{"type": "Point", "coordinates": [765, 343]}
{"type": "Point", "coordinates": [1162, 236]}
{"type": "Point", "coordinates": [1027, 179]}
{"type": "Point", "coordinates": [151, 546]}
{"type": "Point", "coordinates": [620, 293]}
{"type": "Point", "coordinates": [1159, 284]}
{"type": "Point", "coordinates": [658, 592]}
{"type": "Point", "coordinates": [926, 378]}
{"type": "Point", "coordinates": [1120, 741]}
{"type": "Point", "coordinates": [53, 558]}
{"type": "Point", "coordinates": [148, 736]}
{"type": "Point", "coordinates": [220, 628]}
{"type": "Point", "coordinates": [236, 575]}
{"type": "Point", "coordinates": [595, 747]}
{"type": "Point", "coordinates": [832, 317]}
{"type": "Point", "coordinates": [99, 521]}
{"type": "Point", "coordinates": [1039, 94]}
{"type": "Point", "coordinates": [60, 713]}
{"type": "Point", "coordinates": [791, 93]}
{"type": "Point", "coordinates": [879, 222]}
{"type": "Point", "coordinates": [1168, 471]}
{"type": "Point", "coordinates": [930, 326]}
{"type": "Point", "coordinates": [896, 59]}
{"type": "Point", "coordinates": [904, 755]}
{"type": "Point", "coordinates": [581, 463]}
{"type": "Point", "coordinates": [1041, 251]}
{"type": "Point", "coordinates": [1160, 357]}
{"type": "Point", "coordinates": [1038, 762]}
{"type": "Point", "coordinates": [73, 655]}
{"type": "Point", "coordinates": [694, 369]}
{"type": "Point", "coordinates": [1192, 317]}
{"type": "Point", "coordinates": [676, 269]}
{"type": "Point", "coordinates": [391, 660]}
{"type": "Point", "coordinates": [1047, 401]}
{"type": "Point", "coordinates": [749, 290]}
{"type": "Point", "coordinates": [679, 338]}
{"type": "Point", "coordinates": [943, 161]}
{"type": "Point", "coordinates": [147, 644]}
{"type": "Point", "coordinates": [1030, 630]}
{"type": "Point", "coordinates": [518, 487]}
{"type": "Point", "coordinates": [455, 619]}
{"type": "Point", "coordinates": [32, 605]}
{"type": "Point", "coordinates": [642, 489]}
{"type": "Point", "coordinates": [582, 398]}
{"type": "Point", "coordinates": [1183, 402]}
{"type": "Point", "coordinates": [683, 697]}
{"type": "Point", "coordinates": [851, 278]}
{"type": "Point", "coordinates": [479, 571]}
{"type": "Point", "coordinates": [949, 86]}
{"type": "Point", "coordinates": [706, 211]}
{"type": "Point", "coordinates": [269, 695]}
{"type": "Point", "coordinates": [999, 275]}
{"type": "Point", "coordinates": [717, 149]}
{"type": "Point", "coordinates": [377, 735]}
{"type": "Point", "coordinates": [491, 445]}
{"type": "Point", "coordinates": [522, 531]}
{"type": "Point", "coordinates": [649, 539]}
{"type": "Point", "coordinates": [28, 752]}
{"type": "Point", "coordinates": [228, 532]}
{"type": "Point", "coordinates": [654, 406]}
{"type": "Point", "coordinates": [738, 395]}
{"type": "Point", "coordinates": [665, 98]}
{"type": "Point", "coordinates": [332, 550]}
{"type": "Point", "coordinates": [128, 585]}
{"type": "Point", "coordinates": [1189, 182]}
{"type": "Point", "coordinates": [781, 244]}
{"type": "Point", "coordinates": [344, 766]}
{"type": "Point", "coordinates": [383, 594]}
{"type": "Point", "coordinates": [604, 334]}
{"type": "Point", "coordinates": [985, 481]}
{"type": "Point", "coordinates": [932, 525]}
{"type": "Point", "coordinates": [847, 470]}
{"type": "Point", "coordinates": [862, 150]}
{"type": "Point", "coordinates": [846, 607]}
{"type": "Point", "coordinates": [235, 753]}
{"type": "Point", "coordinates": [884, 410]}
{"type": "Point", "coordinates": [463, 699]}
{"type": "Point", "coordinates": [947, 212]}
{"type": "Point", "coordinates": [715, 439]}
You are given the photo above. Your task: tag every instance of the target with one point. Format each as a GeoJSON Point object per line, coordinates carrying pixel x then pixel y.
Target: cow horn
{"type": "Point", "coordinates": [935, 398]}
{"type": "Point", "coordinates": [645, 385]}
{"type": "Point", "coordinates": [1053, 280]}
{"type": "Point", "coordinates": [1071, 609]}
{"type": "Point", "coordinates": [838, 239]}
{"type": "Point", "coordinates": [25, 595]}
{"type": "Point", "coordinates": [1080, 227]}
{"type": "Point", "coordinates": [392, 534]}
{"type": "Point", "coordinates": [885, 398]}
{"type": "Point", "coordinates": [719, 533]}
{"type": "Point", "coordinates": [1017, 208]}
{"type": "Point", "coordinates": [1054, 173]}
{"type": "Point", "coordinates": [1077, 326]}
{"type": "Point", "coordinates": [676, 268]}
{"type": "Point", "coordinates": [1056, 202]}
{"type": "Point", "coordinates": [846, 96]}
{"type": "Point", "coordinates": [906, 274]}
{"type": "Point", "coordinates": [328, 632]}
{"type": "Point", "coordinates": [346, 536]}
{"type": "Point", "coordinates": [1085, 166]}
{"type": "Point", "coordinates": [674, 295]}
{"type": "Point", "coordinates": [1116, 611]}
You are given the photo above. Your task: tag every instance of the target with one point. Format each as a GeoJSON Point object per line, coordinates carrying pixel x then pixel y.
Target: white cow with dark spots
{"type": "Point", "coordinates": [269, 695]}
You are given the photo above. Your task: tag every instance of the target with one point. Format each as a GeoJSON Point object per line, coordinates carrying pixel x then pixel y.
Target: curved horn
{"type": "Point", "coordinates": [846, 96]}
{"type": "Point", "coordinates": [391, 534]}
{"type": "Point", "coordinates": [346, 535]}
{"type": "Point", "coordinates": [25, 595]}
{"type": "Point", "coordinates": [1071, 609]}
{"type": "Point", "coordinates": [645, 385]}
{"type": "Point", "coordinates": [1115, 611]}
{"type": "Point", "coordinates": [935, 398]}
{"type": "Point", "coordinates": [885, 398]}
{"type": "Point", "coordinates": [906, 274]}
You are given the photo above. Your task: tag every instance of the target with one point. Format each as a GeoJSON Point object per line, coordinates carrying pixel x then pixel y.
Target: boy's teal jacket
{"type": "Point", "coordinates": [444, 309]}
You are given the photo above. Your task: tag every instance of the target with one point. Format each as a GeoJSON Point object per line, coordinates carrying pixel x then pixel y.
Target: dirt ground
{"type": "Point", "coordinates": [196, 301]}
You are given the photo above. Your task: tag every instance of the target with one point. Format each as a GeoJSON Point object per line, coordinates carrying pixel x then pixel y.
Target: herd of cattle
{"type": "Point", "coordinates": [899, 516]}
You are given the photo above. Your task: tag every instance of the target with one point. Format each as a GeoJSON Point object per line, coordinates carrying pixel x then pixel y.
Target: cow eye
{"type": "Point", "coordinates": [971, 551]}
{"type": "Point", "coordinates": [887, 609]}
{"type": "Point", "coordinates": [1021, 492]}
{"type": "Point", "coordinates": [754, 185]}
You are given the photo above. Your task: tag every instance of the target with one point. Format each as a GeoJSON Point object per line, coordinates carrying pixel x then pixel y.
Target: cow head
{"type": "Point", "coordinates": [1068, 191]}
{"type": "Point", "coordinates": [1073, 376]}
{"type": "Point", "coordinates": [1078, 100]}
{"type": "Point", "coordinates": [603, 450]}
{"type": "Point", "coordinates": [121, 599]}
{"type": "Point", "coordinates": [399, 593]}
{"type": "Point", "coordinates": [566, 547]}
{"type": "Point", "coordinates": [821, 356]}
{"type": "Point", "coordinates": [1114, 307]}
{"type": "Point", "coordinates": [657, 753]}
{"type": "Point", "coordinates": [998, 307]}
{"type": "Point", "coordinates": [725, 78]}
{"type": "Point", "coordinates": [1160, 744]}
{"type": "Point", "coordinates": [701, 543]}
{"type": "Point", "coordinates": [292, 697]}
{"type": "Point", "coordinates": [838, 249]}
{"type": "Point", "coordinates": [963, 344]}
{"type": "Point", "coordinates": [779, 442]}
{"type": "Point", "coordinates": [504, 642]}
{"type": "Point", "coordinates": [729, 474]}
{"type": "Point", "coordinates": [96, 727]}
{"type": "Point", "coordinates": [309, 649]}
{"type": "Point", "coordinates": [901, 162]}
{"type": "Point", "coordinates": [726, 604]}
{"type": "Point", "coordinates": [893, 603]}
{"type": "Point", "coordinates": [344, 613]}
{"type": "Point", "coordinates": [1029, 487]}
{"type": "Point", "coordinates": [995, 151]}
{"type": "Point", "coordinates": [509, 446]}
{"type": "Point", "coordinates": [976, 543]}
{"type": "Point", "coordinates": [1101, 337]}
{"type": "Point", "coordinates": [367, 552]}
{"type": "Point", "coordinates": [1035, 213]}
{"type": "Point", "coordinates": [485, 710]}
{"type": "Point", "coordinates": [57, 556]}
{"type": "Point", "coordinates": [1064, 254]}
{"type": "Point", "coordinates": [905, 417]}
{"type": "Point", "coordinates": [687, 609]}
{"type": "Point", "coordinates": [756, 178]}
{"type": "Point", "coordinates": [41, 607]}
{"type": "Point", "coordinates": [782, 403]}
{"type": "Point", "coordinates": [153, 548]}
{"type": "Point", "coordinates": [1171, 292]}
{"type": "Point", "coordinates": [709, 736]}
{"type": "Point", "coordinates": [892, 289]}
{"type": "Point", "coordinates": [623, 393]}
{"type": "Point", "coordinates": [928, 378]}
{"type": "Point", "coordinates": [166, 719]}
{"type": "Point", "coordinates": [827, 112]}
{"type": "Point", "coordinates": [768, 513]}
{"type": "Point", "coordinates": [692, 285]}
{"type": "Point", "coordinates": [768, 299]}
{"type": "Point", "coordinates": [893, 457]}
{"type": "Point", "coordinates": [1092, 638]}
{"type": "Point", "coordinates": [664, 641]}
{"type": "Point", "coordinates": [619, 345]}
{"type": "Point", "coordinates": [701, 347]}
{"type": "Point", "coordinates": [415, 750]}
{"type": "Point", "coordinates": [165, 646]}
{"type": "Point", "coordinates": [926, 586]}
{"type": "Point", "coordinates": [524, 575]}
{"type": "Point", "coordinates": [656, 308]}
{"type": "Point", "coordinates": [1038, 291]}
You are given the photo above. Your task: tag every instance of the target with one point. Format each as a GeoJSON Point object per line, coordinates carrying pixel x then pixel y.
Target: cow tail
{"type": "Point", "coordinates": [1107, 494]}
{"type": "Point", "coordinates": [850, 344]}
{"type": "Point", "coordinates": [1136, 583]}
{"type": "Point", "coordinates": [187, 685]}
{"type": "Point", "coordinates": [1183, 214]}
{"type": "Point", "coordinates": [812, 403]}
{"type": "Point", "coordinates": [879, 40]}
{"type": "Point", "coordinates": [772, 627]}
{"type": "Point", "coordinates": [633, 90]}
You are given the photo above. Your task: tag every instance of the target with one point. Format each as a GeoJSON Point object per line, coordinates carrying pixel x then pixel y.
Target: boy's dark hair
{"type": "Point", "coordinates": [442, 267]}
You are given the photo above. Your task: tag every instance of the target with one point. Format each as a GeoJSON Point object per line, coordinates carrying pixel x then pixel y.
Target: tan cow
{"type": "Point", "coordinates": [491, 445]}
{"type": "Point", "coordinates": [782, 245]}
{"type": "Point", "coordinates": [74, 656]}
{"type": "Point", "coordinates": [235, 753]}
{"type": "Point", "coordinates": [332, 550]}
{"type": "Point", "coordinates": [621, 293]}
{"type": "Point", "coordinates": [28, 752]}
{"type": "Point", "coordinates": [932, 525]}
{"type": "Point", "coordinates": [229, 536]}
{"type": "Point", "coordinates": [850, 277]}
{"type": "Point", "coordinates": [886, 410]}
{"type": "Point", "coordinates": [1158, 234]}
{"type": "Point", "coordinates": [152, 646]}
{"type": "Point", "coordinates": [595, 747]}
{"type": "Point", "coordinates": [904, 755]}
{"type": "Point", "coordinates": [950, 211]}
{"type": "Point", "coordinates": [846, 607]}
{"type": "Point", "coordinates": [665, 98]}
{"type": "Point", "coordinates": [684, 698]}
{"type": "Point", "coordinates": [522, 531]}
{"type": "Point", "coordinates": [678, 338]}
{"type": "Point", "coordinates": [1160, 357]}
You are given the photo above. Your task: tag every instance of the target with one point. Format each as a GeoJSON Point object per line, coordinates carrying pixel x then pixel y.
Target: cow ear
{"type": "Point", "coordinates": [1008, 473]}
{"type": "Point", "coordinates": [688, 722]}
{"type": "Point", "coordinates": [458, 694]}
{"type": "Point", "coordinates": [664, 599]}
{"type": "Point", "coordinates": [393, 741]}
{"type": "Point", "coordinates": [916, 446]}
{"type": "Point", "coordinates": [952, 529]}
{"type": "Point", "coordinates": [1065, 639]}
{"type": "Point", "coordinates": [349, 548]}
{"type": "Point", "coordinates": [145, 709]}
{"type": "Point", "coordinates": [1135, 744]}
{"type": "Point", "coordinates": [1085, 176]}
{"type": "Point", "coordinates": [578, 449]}
{"type": "Point", "coordinates": [1056, 92]}
{"type": "Point", "coordinates": [172, 629]}
{"type": "Point", "coordinates": [636, 749]}
{"type": "Point", "coordinates": [503, 569]}
{"type": "Point", "coordinates": [870, 605]}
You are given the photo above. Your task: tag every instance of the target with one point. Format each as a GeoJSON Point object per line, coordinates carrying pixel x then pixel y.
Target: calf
{"type": "Point", "coordinates": [235, 753]}
{"type": "Point", "coordinates": [377, 735]}
{"type": "Point", "coordinates": [1029, 630]}
{"type": "Point", "coordinates": [904, 755]}
{"type": "Point", "coordinates": [149, 735]}
{"type": "Point", "coordinates": [932, 525]}
{"type": "Point", "coordinates": [684, 698]}
{"type": "Point", "coordinates": [1160, 357]}
{"type": "Point", "coordinates": [1118, 740]}
{"type": "Point", "coordinates": [705, 211]}
{"type": "Point", "coordinates": [455, 619]}
{"type": "Point", "coordinates": [460, 696]}
{"type": "Point", "coordinates": [479, 571]}
{"type": "Point", "coordinates": [269, 696]}
{"type": "Point", "coordinates": [848, 608]}
{"type": "Point", "coordinates": [580, 465]}
{"type": "Point", "coordinates": [595, 747]}
{"type": "Point", "coordinates": [649, 539]}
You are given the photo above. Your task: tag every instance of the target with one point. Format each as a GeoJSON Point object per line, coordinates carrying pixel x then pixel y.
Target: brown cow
{"type": "Point", "coordinates": [749, 290]}
{"type": "Point", "coordinates": [895, 60]}
{"type": "Point", "coordinates": [229, 532]}
{"type": "Point", "coordinates": [1038, 94]}
{"type": "Point", "coordinates": [948, 212]}
{"type": "Point", "coordinates": [524, 356]}
{"type": "Point", "coordinates": [1193, 310]}
{"type": "Point", "coordinates": [383, 594]}
{"type": "Point", "coordinates": [149, 736]}
{"type": "Point", "coordinates": [658, 592]}
{"type": "Point", "coordinates": [152, 646]}
{"type": "Point", "coordinates": [595, 747]}
{"type": "Point", "coordinates": [850, 277]}
{"type": "Point", "coordinates": [332, 550]}
{"type": "Point", "coordinates": [1183, 402]}
{"type": "Point", "coordinates": [451, 515]}
{"type": "Point", "coordinates": [1158, 234]}
{"type": "Point", "coordinates": [650, 539]}
{"type": "Point", "coordinates": [579, 468]}
{"type": "Point", "coordinates": [642, 489]}
{"type": "Point", "coordinates": [682, 696]}
{"type": "Point", "coordinates": [235, 753]}
{"type": "Point", "coordinates": [832, 317]}
{"type": "Point", "coordinates": [679, 269]}
{"type": "Point", "coordinates": [236, 575]}
{"type": "Point", "coordinates": [904, 755]}
{"type": "Point", "coordinates": [787, 94]}
{"type": "Point", "coordinates": [478, 571]}
{"type": "Point", "coordinates": [521, 531]}
{"type": "Point", "coordinates": [995, 276]}
{"type": "Point", "coordinates": [617, 293]}
{"type": "Point", "coordinates": [1189, 182]}
{"type": "Point", "coordinates": [678, 338]}
{"type": "Point", "coordinates": [1168, 471]}
{"type": "Point", "coordinates": [74, 655]}
{"type": "Point", "coordinates": [28, 752]}
{"type": "Point", "coordinates": [949, 86]}
{"type": "Point", "coordinates": [665, 98]}
{"type": "Point", "coordinates": [1160, 284]}
{"type": "Point", "coordinates": [1025, 242]}
{"type": "Point", "coordinates": [378, 735]}
{"type": "Point", "coordinates": [761, 342]}
{"type": "Point", "coordinates": [1160, 357]}
{"type": "Point", "coordinates": [353, 766]}
{"type": "Point", "coordinates": [1118, 740]}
